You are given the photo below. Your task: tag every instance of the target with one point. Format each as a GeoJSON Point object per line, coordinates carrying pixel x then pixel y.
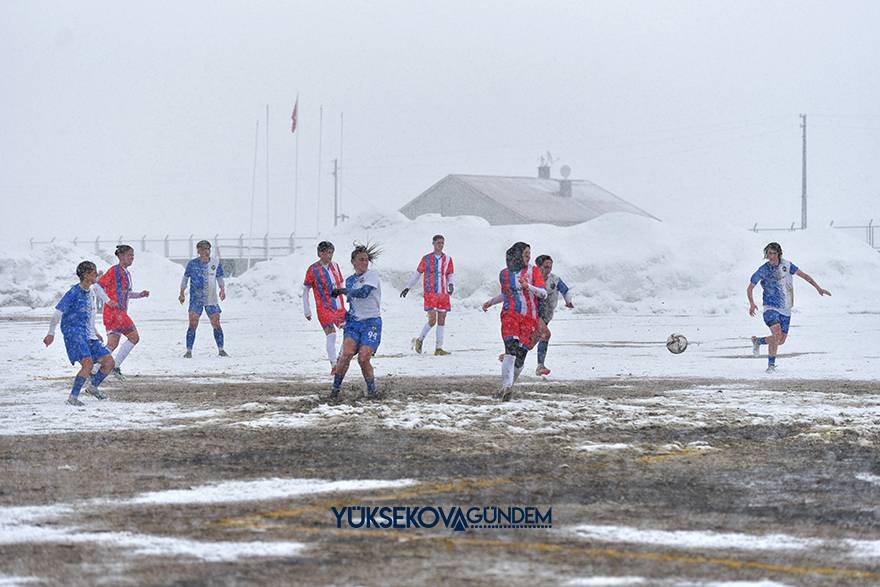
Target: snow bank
{"type": "Point", "coordinates": [617, 263]}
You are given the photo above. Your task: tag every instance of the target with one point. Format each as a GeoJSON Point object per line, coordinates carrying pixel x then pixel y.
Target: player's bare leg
{"type": "Point", "coordinates": [774, 341]}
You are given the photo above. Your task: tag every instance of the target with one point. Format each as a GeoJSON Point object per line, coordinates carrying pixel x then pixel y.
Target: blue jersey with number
{"type": "Point", "coordinates": [778, 286]}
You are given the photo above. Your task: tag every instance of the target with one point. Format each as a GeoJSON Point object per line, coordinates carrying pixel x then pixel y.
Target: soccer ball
{"type": "Point", "coordinates": [676, 343]}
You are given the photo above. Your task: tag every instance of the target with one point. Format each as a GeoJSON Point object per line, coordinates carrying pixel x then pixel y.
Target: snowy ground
{"type": "Point", "coordinates": [691, 469]}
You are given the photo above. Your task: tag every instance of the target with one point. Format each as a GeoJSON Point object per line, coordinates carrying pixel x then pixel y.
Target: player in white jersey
{"type": "Point", "coordinates": [547, 307]}
{"type": "Point", "coordinates": [775, 277]}
{"type": "Point", "coordinates": [363, 323]}
{"type": "Point", "coordinates": [439, 275]}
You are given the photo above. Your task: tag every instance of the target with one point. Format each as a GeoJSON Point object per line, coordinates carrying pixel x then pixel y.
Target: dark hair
{"type": "Point", "coordinates": [371, 249]}
{"type": "Point", "coordinates": [541, 258]}
{"type": "Point", "coordinates": [120, 249]}
{"type": "Point", "coordinates": [203, 244]}
{"type": "Point", "coordinates": [515, 256]}
{"type": "Point", "coordinates": [84, 268]}
{"type": "Point", "coordinates": [773, 247]}
{"type": "Point", "coordinates": [325, 245]}
{"type": "Point", "coordinates": [437, 237]}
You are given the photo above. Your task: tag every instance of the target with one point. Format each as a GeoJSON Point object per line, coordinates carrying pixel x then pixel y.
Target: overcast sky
{"type": "Point", "coordinates": [123, 118]}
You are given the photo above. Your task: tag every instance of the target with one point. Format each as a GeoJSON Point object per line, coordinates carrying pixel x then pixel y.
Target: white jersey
{"type": "Point", "coordinates": [362, 304]}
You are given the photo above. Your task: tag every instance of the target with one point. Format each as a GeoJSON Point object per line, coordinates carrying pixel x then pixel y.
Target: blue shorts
{"type": "Point", "coordinates": [772, 317]}
{"type": "Point", "coordinates": [80, 347]}
{"type": "Point", "coordinates": [197, 308]}
{"type": "Point", "coordinates": [364, 332]}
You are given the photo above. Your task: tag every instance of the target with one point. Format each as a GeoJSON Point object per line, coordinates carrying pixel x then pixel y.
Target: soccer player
{"type": "Point", "coordinates": [439, 274]}
{"type": "Point", "coordinates": [775, 277]}
{"type": "Point", "coordinates": [322, 277]}
{"type": "Point", "coordinates": [76, 312]}
{"type": "Point", "coordinates": [204, 273]}
{"type": "Point", "coordinates": [116, 282]}
{"type": "Point", "coordinates": [363, 324]}
{"type": "Point", "coordinates": [522, 285]}
{"type": "Point", "coordinates": [547, 306]}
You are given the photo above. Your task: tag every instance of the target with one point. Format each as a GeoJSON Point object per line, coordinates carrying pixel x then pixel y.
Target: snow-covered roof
{"type": "Point", "coordinates": [539, 200]}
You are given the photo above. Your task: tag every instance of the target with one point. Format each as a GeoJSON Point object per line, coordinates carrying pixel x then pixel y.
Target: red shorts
{"type": "Point", "coordinates": [117, 321]}
{"type": "Point", "coordinates": [437, 302]}
{"type": "Point", "coordinates": [327, 317]}
{"type": "Point", "coordinates": [519, 326]}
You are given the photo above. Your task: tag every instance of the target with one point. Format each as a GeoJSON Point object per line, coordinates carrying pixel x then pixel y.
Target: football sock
{"type": "Point", "coordinates": [337, 381]}
{"type": "Point", "coordinates": [331, 347]}
{"type": "Point", "coordinates": [371, 384]}
{"type": "Point", "coordinates": [425, 330]}
{"type": "Point", "coordinates": [190, 338]}
{"type": "Point", "coordinates": [123, 351]}
{"type": "Point", "coordinates": [97, 378]}
{"type": "Point", "coordinates": [78, 382]}
{"type": "Point", "coordinates": [507, 370]}
{"type": "Point", "coordinates": [440, 336]}
{"type": "Point", "coordinates": [771, 361]}
{"type": "Point", "coordinates": [218, 337]}
{"type": "Point", "coordinates": [542, 351]}
{"type": "Point", "coordinates": [762, 340]}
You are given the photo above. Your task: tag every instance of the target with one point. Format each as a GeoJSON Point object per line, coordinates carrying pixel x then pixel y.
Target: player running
{"type": "Point", "coordinates": [204, 273]}
{"type": "Point", "coordinates": [322, 277]}
{"type": "Point", "coordinates": [363, 324]}
{"type": "Point", "coordinates": [547, 306]}
{"type": "Point", "coordinates": [76, 312]}
{"type": "Point", "coordinates": [439, 275]}
{"type": "Point", "coordinates": [522, 285]}
{"type": "Point", "coordinates": [775, 277]}
{"type": "Point", "coordinates": [116, 282]}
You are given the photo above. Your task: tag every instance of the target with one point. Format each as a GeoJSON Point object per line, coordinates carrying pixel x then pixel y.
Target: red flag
{"type": "Point", "coordinates": [293, 116]}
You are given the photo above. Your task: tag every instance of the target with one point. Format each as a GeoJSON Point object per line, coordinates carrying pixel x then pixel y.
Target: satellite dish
{"type": "Point", "coordinates": [565, 171]}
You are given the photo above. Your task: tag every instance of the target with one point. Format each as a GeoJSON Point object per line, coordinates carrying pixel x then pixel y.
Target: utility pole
{"type": "Point", "coordinates": [804, 172]}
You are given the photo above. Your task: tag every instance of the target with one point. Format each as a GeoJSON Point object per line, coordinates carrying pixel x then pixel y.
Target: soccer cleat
{"type": "Point", "coordinates": [118, 374]}
{"type": "Point", "coordinates": [770, 369]}
{"type": "Point", "coordinates": [417, 345]}
{"type": "Point", "coordinates": [542, 370]}
{"type": "Point", "coordinates": [501, 358]}
{"type": "Point", "coordinates": [756, 348]}
{"type": "Point", "coordinates": [506, 393]}
{"type": "Point", "coordinates": [223, 353]}
{"type": "Point", "coordinates": [73, 401]}
{"type": "Point", "coordinates": [334, 395]}
{"type": "Point", "coordinates": [441, 353]}
{"type": "Point", "coordinates": [96, 393]}
{"type": "Point", "coordinates": [188, 354]}
{"type": "Point", "coordinates": [372, 394]}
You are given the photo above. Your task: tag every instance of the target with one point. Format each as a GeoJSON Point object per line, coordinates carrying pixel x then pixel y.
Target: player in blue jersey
{"type": "Point", "coordinates": [775, 277]}
{"type": "Point", "coordinates": [76, 312]}
{"type": "Point", "coordinates": [547, 307]}
{"type": "Point", "coordinates": [205, 274]}
{"type": "Point", "coordinates": [363, 324]}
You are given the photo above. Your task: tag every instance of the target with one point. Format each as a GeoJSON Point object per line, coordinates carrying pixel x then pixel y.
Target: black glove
{"type": "Point", "coordinates": [337, 291]}
{"type": "Point", "coordinates": [404, 292]}
{"type": "Point", "coordinates": [449, 288]}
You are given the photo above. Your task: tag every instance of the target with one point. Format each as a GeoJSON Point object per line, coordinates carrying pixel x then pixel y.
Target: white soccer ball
{"type": "Point", "coordinates": [676, 343]}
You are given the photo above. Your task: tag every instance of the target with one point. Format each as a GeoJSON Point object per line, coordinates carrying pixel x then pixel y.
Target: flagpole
{"type": "Point", "coordinates": [267, 174]}
{"type": "Point", "coordinates": [295, 168]}
{"type": "Point", "coordinates": [253, 192]}
{"type": "Point", "coordinates": [341, 126]}
{"type": "Point", "coordinates": [320, 149]}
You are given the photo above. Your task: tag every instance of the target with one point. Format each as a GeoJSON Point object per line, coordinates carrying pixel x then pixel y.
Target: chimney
{"type": "Point", "coordinates": [543, 171]}
{"type": "Point", "coordinates": [565, 188]}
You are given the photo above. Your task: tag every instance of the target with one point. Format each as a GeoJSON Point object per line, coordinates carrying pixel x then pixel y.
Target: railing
{"type": "Point", "coordinates": [241, 247]}
{"type": "Point", "coordinates": [866, 231]}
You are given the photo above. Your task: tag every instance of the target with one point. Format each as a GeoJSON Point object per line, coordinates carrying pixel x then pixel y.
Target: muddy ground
{"type": "Point", "coordinates": [757, 479]}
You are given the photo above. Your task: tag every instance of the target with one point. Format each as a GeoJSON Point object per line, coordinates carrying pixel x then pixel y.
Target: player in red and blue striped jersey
{"type": "Point", "coordinates": [322, 277]}
{"type": "Point", "coordinates": [438, 274]}
{"type": "Point", "coordinates": [522, 284]}
{"type": "Point", "coordinates": [116, 282]}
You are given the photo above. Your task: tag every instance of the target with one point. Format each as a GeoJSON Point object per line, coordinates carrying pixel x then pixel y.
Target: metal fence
{"type": "Point", "coordinates": [240, 247]}
{"type": "Point", "coordinates": [865, 231]}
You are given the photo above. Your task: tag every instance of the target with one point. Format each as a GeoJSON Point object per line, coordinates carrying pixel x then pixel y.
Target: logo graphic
{"type": "Point", "coordinates": [455, 518]}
